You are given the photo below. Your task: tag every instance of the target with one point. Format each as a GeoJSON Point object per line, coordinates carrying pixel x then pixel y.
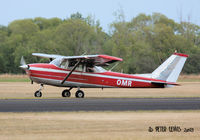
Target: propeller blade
{"type": "Point", "coordinates": [22, 62]}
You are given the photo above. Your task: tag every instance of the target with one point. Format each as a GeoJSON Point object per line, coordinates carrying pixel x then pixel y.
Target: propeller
{"type": "Point", "coordinates": [23, 63]}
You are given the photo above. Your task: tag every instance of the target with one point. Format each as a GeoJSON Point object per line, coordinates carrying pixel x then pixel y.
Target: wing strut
{"type": "Point", "coordinates": [71, 71]}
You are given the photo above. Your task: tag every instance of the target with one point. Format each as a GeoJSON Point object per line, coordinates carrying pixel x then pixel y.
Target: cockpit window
{"type": "Point", "coordinates": [99, 69]}
{"type": "Point", "coordinates": [64, 64]}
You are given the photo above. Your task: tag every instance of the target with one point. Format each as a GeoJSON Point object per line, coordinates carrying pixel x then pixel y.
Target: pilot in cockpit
{"type": "Point", "coordinates": [89, 69]}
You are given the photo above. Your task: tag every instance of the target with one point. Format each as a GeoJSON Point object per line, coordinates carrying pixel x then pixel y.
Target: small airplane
{"type": "Point", "coordinates": [86, 71]}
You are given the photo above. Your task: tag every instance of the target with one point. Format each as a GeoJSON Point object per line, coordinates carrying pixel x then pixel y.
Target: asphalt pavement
{"type": "Point", "coordinates": [98, 104]}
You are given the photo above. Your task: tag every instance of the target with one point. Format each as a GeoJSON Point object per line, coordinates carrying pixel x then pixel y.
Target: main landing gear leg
{"type": "Point", "coordinates": [66, 92]}
{"type": "Point", "coordinates": [79, 93]}
{"type": "Point", "coordinates": [38, 93]}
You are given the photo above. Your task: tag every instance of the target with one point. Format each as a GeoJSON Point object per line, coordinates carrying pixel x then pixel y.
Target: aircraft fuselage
{"type": "Point", "coordinates": [50, 74]}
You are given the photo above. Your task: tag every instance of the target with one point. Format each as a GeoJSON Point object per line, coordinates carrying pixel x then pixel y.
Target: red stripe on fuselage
{"type": "Point", "coordinates": [82, 77]}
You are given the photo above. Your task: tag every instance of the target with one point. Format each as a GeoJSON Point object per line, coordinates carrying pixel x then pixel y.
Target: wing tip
{"type": "Point", "coordinates": [110, 57]}
{"type": "Point", "coordinates": [181, 54]}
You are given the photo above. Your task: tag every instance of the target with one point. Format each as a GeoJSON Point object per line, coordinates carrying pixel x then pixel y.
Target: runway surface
{"type": "Point", "coordinates": [98, 104]}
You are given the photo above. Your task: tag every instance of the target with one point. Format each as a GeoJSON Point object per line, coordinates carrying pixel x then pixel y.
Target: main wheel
{"type": "Point", "coordinates": [66, 93]}
{"type": "Point", "coordinates": [38, 93]}
{"type": "Point", "coordinates": [79, 94]}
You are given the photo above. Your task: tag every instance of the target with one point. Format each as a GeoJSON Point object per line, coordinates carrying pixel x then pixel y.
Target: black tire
{"type": "Point", "coordinates": [66, 93]}
{"type": "Point", "coordinates": [38, 93]}
{"type": "Point", "coordinates": [79, 94]}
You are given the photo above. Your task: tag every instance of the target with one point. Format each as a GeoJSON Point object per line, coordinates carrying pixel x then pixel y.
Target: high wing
{"type": "Point", "coordinates": [97, 60]}
{"type": "Point", "coordinates": [50, 56]}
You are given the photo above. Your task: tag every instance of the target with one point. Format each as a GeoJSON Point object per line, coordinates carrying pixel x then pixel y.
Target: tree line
{"type": "Point", "coordinates": [143, 43]}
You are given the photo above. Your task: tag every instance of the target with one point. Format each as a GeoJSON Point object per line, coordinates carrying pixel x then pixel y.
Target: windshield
{"type": "Point", "coordinates": [56, 62]}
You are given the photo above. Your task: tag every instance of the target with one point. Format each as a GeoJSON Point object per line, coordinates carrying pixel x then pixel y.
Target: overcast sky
{"type": "Point", "coordinates": [103, 10]}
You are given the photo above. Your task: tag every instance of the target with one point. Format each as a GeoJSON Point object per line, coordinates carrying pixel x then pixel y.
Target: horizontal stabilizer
{"type": "Point", "coordinates": [164, 84]}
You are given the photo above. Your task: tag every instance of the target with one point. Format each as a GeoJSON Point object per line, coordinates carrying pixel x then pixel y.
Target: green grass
{"type": "Point", "coordinates": [14, 80]}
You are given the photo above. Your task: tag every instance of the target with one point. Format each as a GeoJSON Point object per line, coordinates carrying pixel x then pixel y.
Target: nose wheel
{"type": "Point", "coordinates": [38, 93]}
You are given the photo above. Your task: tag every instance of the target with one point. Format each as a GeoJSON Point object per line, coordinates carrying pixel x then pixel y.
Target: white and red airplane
{"type": "Point", "coordinates": [85, 71]}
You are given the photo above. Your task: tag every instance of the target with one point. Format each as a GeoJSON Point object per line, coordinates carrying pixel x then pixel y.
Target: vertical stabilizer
{"type": "Point", "coordinates": [171, 68]}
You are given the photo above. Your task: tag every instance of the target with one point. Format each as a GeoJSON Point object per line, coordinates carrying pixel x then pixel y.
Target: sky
{"type": "Point", "coordinates": [102, 10]}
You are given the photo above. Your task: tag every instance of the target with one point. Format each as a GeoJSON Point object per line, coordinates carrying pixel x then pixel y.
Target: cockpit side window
{"type": "Point", "coordinates": [90, 69]}
{"type": "Point", "coordinates": [96, 69]}
{"type": "Point", "coordinates": [64, 64]}
{"type": "Point", "coordinates": [99, 69]}
{"type": "Point", "coordinates": [69, 64]}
